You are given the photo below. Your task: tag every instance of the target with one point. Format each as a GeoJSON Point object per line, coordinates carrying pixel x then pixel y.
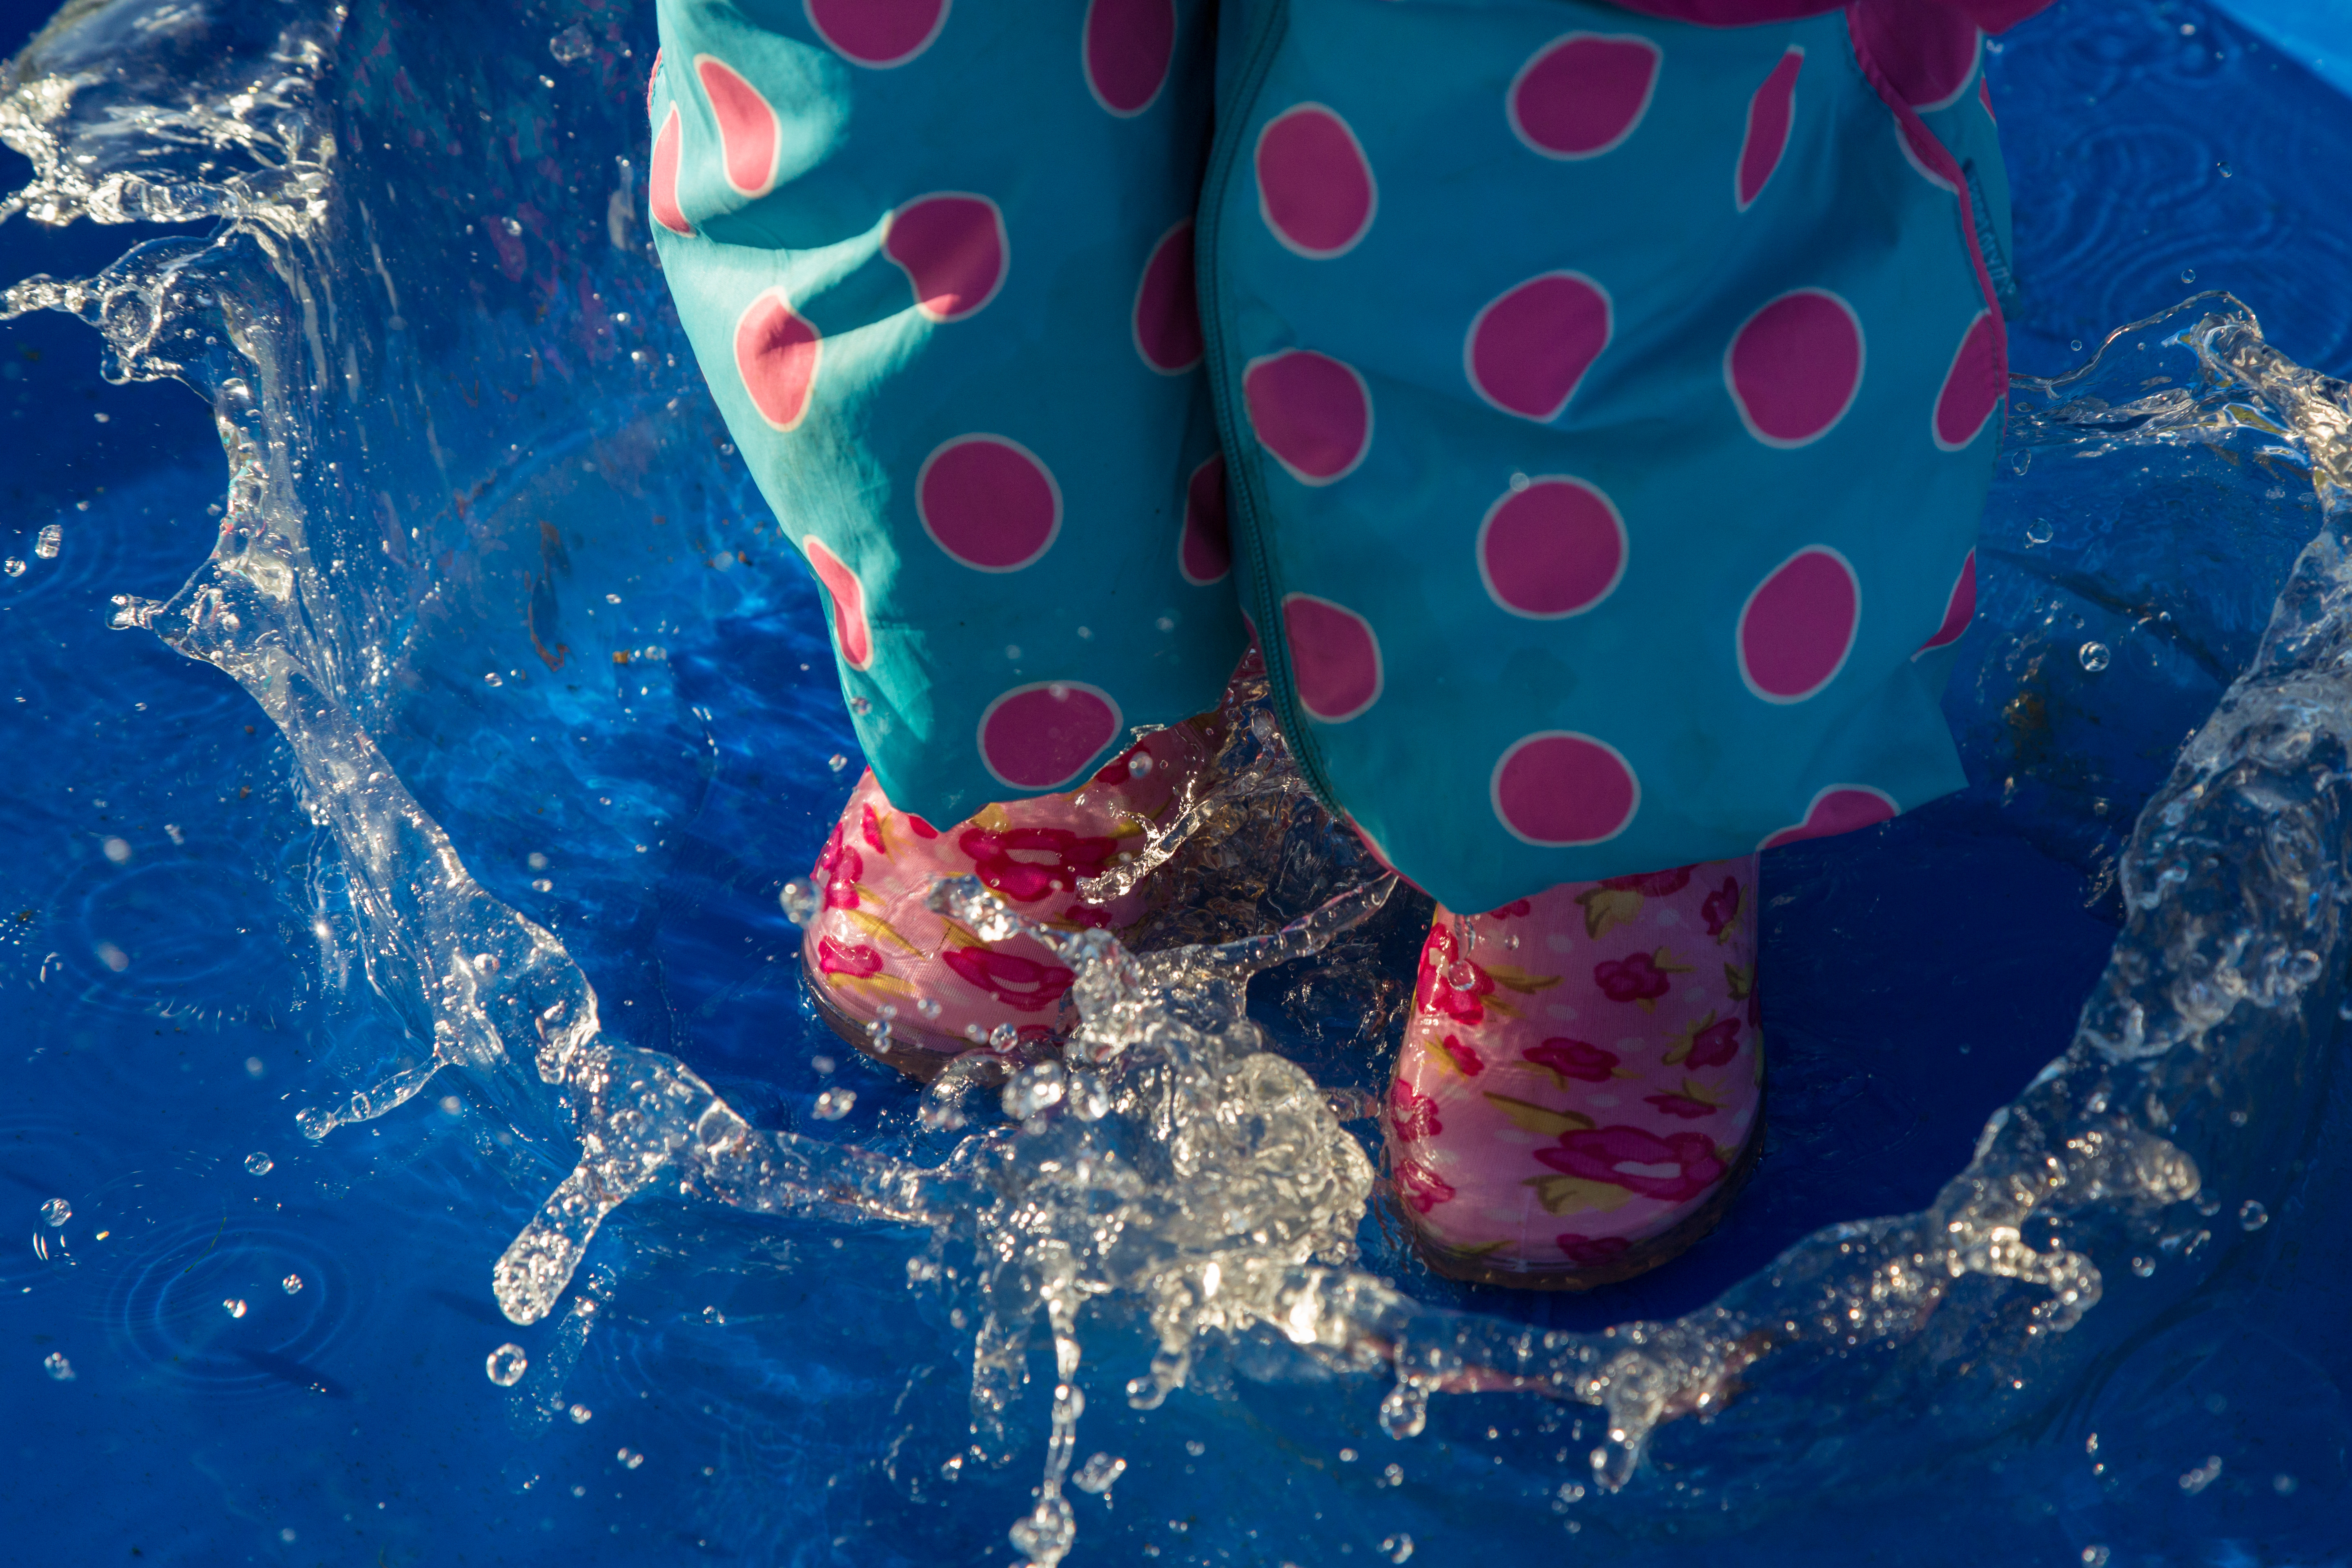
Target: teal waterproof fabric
{"type": "Point", "coordinates": [1606, 402]}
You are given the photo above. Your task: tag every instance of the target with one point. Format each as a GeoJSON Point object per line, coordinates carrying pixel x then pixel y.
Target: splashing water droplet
{"type": "Point", "coordinates": [1404, 1412]}
{"type": "Point", "coordinates": [1096, 1474]}
{"type": "Point", "coordinates": [836, 1103]}
{"type": "Point", "coordinates": [801, 904]}
{"type": "Point", "coordinates": [837, 762]}
{"type": "Point", "coordinates": [2096, 656]}
{"type": "Point", "coordinates": [56, 1212]}
{"type": "Point", "coordinates": [1396, 1547]}
{"type": "Point", "coordinates": [580, 1415]}
{"type": "Point", "coordinates": [234, 1306]}
{"type": "Point", "coordinates": [507, 1364]}
{"type": "Point", "coordinates": [571, 44]}
{"type": "Point", "coordinates": [2075, 345]}
{"type": "Point", "coordinates": [1037, 1089]}
{"type": "Point", "coordinates": [52, 539]}
{"type": "Point", "coordinates": [2039, 531]}
{"type": "Point", "coordinates": [630, 1459]}
{"type": "Point", "coordinates": [291, 1284]}
{"type": "Point", "coordinates": [56, 1366]}
{"type": "Point", "coordinates": [259, 1164]}
{"type": "Point", "coordinates": [2252, 1215]}
{"type": "Point", "coordinates": [15, 567]}
{"type": "Point", "coordinates": [2188, 275]}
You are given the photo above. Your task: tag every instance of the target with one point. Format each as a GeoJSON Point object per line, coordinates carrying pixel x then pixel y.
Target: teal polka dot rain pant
{"type": "Point", "coordinates": [1587, 408]}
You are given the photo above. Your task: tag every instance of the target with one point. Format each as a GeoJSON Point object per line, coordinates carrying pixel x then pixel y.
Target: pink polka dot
{"type": "Point", "coordinates": [1770, 114]}
{"type": "Point", "coordinates": [1558, 789]}
{"type": "Point", "coordinates": [1167, 317]}
{"type": "Point", "coordinates": [854, 637]}
{"type": "Point", "coordinates": [661, 177]}
{"type": "Point", "coordinates": [750, 139]}
{"type": "Point", "coordinates": [1958, 610]}
{"type": "Point", "coordinates": [1798, 627]}
{"type": "Point", "coordinates": [776, 354]}
{"type": "Point", "coordinates": [1205, 552]}
{"type": "Point", "coordinates": [878, 33]}
{"type": "Point", "coordinates": [1795, 366]}
{"type": "Point", "coordinates": [1841, 808]}
{"type": "Point", "coordinates": [1335, 659]}
{"type": "Point", "coordinates": [1128, 46]}
{"type": "Point", "coordinates": [1928, 53]}
{"type": "Point", "coordinates": [1046, 735]}
{"type": "Point", "coordinates": [1315, 187]}
{"type": "Point", "coordinates": [1312, 412]}
{"type": "Point", "coordinates": [988, 502]}
{"type": "Point", "coordinates": [1582, 94]}
{"type": "Point", "coordinates": [1974, 385]}
{"type": "Point", "coordinates": [1552, 550]}
{"type": "Point", "coordinates": [1528, 347]}
{"type": "Point", "coordinates": [952, 247]}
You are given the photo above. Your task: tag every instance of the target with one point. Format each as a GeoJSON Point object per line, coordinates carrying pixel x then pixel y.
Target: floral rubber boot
{"type": "Point", "coordinates": [913, 988]}
{"type": "Point", "coordinates": [1580, 1088]}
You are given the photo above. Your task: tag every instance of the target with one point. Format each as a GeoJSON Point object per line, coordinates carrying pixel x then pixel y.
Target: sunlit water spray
{"type": "Point", "coordinates": [1169, 1167]}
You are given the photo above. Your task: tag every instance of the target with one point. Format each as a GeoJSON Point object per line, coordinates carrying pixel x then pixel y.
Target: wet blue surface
{"type": "Point", "coordinates": [164, 1011]}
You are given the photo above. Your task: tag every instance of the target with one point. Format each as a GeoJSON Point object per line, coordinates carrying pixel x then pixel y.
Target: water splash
{"type": "Point", "coordinates": [1168, 1166]}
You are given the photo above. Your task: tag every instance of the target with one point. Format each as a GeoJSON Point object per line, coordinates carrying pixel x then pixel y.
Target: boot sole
{"type": "Point", "coordinates": [1483, 1268]}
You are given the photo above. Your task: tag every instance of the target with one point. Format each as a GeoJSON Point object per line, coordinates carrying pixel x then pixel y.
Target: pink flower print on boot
{"type": "Point", "coordinates": [1579, 1091]}
{"type": "Point", "coordinates": [915, 989]}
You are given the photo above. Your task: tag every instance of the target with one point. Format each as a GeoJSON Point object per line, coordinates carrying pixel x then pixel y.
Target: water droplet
{"type": "Point", "coordinates": [1459, 976]}
{"type": "Point", "coordinates": [2188, 275]}
{"type": "Point", "coordinates": [1096, 1474]}
{"type": "Point", "coordinates": [14, 566]}
{"type": "Point", "coordinates": [1404, 1412]}
{"type": "Point", "coordinates": [836, 1103]}
{"type": "Point", "coordinates": [1396, 1547]}
{"type": "Point", "coordinates": [801, 904]}
{"type": "Point", "coordinates": [1089, 1097]}
{"type": "Point", "coordinates": [2075, 345]}
{"type": "Point", "coordinates": [56, 1366]}
{"type": "Point", "coordinates": [2094, 1557]}
{"type": "Point", "coordinates": [315, 1123]}
{"type": "Point", "coordinates": [837, 762]}
{"type": "Point", "coordinates": [2096, 656]}
{"type": "Point", "coordinates": [571, 44]}
{"type": "Point", "coordinates": [507, 1364]}
{"type": "Point", "coordinates": [2252, 1215]}
{"type": "Point", "coordinates": [258, 1163]}
{"type": "Point", "coordinates": [580, 1415]}
{"type": "Point", "coordinates": [291, 1284]}
{"type": "Point", "coordinates": [630, 1459]}
{"type": "Point", "coordinates": [541, 885]}
{"type": "Point", "coordinates": [927, 1007]}
{"type": "Point", "coordinates": [822, 1064]}
{"type": "Point", "coordinates": [52, 539]}
{"type": "Point", "coordinates": [2224, 169]}
{"type": "Point", "coordinates": [234, 1306]}
{"type": "Point", "coordinates": [117, 851]}
{"type": "Point", "coordinates": [57, 1211]}
{"type": "Point", "coordinates": [2282, 1484]}
{"type": "Point", "coordinates": [487, 963]}
{"type": "Point", "coordinates": [492, 678]}
{"type": "Point", "coordinates": [1141, 766]}
{"type": "Point", "coordinates": [1037, 1089]}
{"type": "Point", "coordinates": [2039, 531]}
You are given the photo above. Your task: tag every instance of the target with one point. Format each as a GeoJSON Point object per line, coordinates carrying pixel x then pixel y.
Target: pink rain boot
{"type": "Point", "coordinates": [913, 988]}
{"type": "Point", "coordinates": [1580, 1091]}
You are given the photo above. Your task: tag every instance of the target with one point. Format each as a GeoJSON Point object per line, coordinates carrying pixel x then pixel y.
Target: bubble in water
{"type": "Point", "coordinates": [801, 902]}
{"type": "Point", "coordinates": [2252, 1215]}
{"type": "Point", "coordinates": [2096, 656]}
{"type": "Point", "coordinates": [2094, 1557]}
{"type": "Point", "coordinates": [56, 1366]}
{"type": "Point", "coordinates": [580, 1415]}
{"type": "Point", "coordinates": [1396, 1547]}
{"type": "Point", "coordinates": [259, 1164]}
{"type": "Point", "coordinates": [571, 44]}
{"type": "Point", "coordinates": [1096, 1474]}
{"type": "Point", "coordinates": [630, 1459]}
{"type": "Point", "coordinates": [836, 1103]}
{"type": "Point", "coordinates": [2224, 170]}
{"type": "Point", "coordinates": [2075, 345]}
{"type": "Point", "coordinates": [52, 539]}
{"type": "Point", "coordinates": [507, 1364]}
{"type": "Point", "coordinates": [291, 1284]}
{"type": "Point", "coordinates": [15, 567]}
{"type": "Point", "coordinates": [2039, 531]}
{"type": "Point", "coordinates": [2188, 275]}
{"type": "Point", "coordinates": [56, 1212]}
{"type": "Point", "coordinates": [235, 1306]}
